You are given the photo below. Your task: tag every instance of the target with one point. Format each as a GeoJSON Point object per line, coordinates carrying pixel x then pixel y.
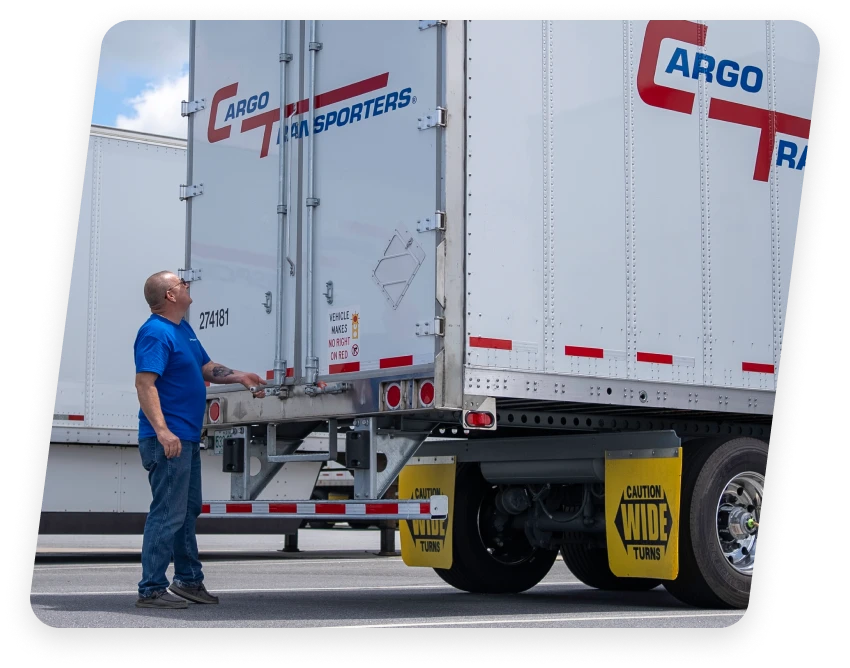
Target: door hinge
{"type": "Point", "coordinates": [189, 275]}
{"type": "Point", "coordinates": [191, 191]}
{"type": "Point", "coordinates": [424, 25]}
{"type": "Point", "coordinates": [435, 327]}
{"type": "Point", "coordinates": [187, 108]}
{"type": "Point", "coordinates": [434, 222]}
{"type": "Point", "coordinates": [433, 119]}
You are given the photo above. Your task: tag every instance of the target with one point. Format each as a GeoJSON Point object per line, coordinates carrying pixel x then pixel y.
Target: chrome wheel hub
{"type": "Point", "coordinates": [738, 512]}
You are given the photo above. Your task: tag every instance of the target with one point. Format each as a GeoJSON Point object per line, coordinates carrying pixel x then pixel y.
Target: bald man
{"type": "Point", "coordinates": [171, 367]}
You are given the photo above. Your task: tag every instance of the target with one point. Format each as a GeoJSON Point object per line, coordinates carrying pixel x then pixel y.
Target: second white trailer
{"type": "Point", "coordinates": [131, 224]}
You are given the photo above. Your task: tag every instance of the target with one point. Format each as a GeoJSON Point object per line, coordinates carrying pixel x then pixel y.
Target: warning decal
{"type": "Point", "coordinates": [642, 512]}
{"type": "Point", "coordinates": [344, 344]}
{"type": "Point", "coordinates": [427, 542]}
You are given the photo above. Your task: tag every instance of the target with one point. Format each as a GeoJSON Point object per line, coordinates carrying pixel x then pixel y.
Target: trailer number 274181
{"type": "Point", "coordinates": [219, 318]}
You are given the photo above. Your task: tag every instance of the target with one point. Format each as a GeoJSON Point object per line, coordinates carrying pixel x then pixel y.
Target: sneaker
{"type": "Point", "coordinates": [161, 599]}
{"type": "Point", "coordinates": [196, 594]}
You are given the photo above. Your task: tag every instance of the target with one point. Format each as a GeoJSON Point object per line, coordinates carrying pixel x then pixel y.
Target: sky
{"type": "Point", "coordinates": [143, 76]}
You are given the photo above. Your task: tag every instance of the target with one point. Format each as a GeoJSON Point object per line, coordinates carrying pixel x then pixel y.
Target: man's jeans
{"type": "Point", "coordinates": [170, 526]}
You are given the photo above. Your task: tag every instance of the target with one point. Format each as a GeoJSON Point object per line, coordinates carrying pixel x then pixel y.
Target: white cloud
{"type": "Point", "coordinates": [157, 108]}
{"type": "Point", "coordinates": [148, 49]}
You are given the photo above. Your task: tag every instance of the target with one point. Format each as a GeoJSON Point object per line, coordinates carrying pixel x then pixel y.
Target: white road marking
{"type": "Point", "coordinates": [536, 620]}
{"type": "Point", "coordinates": [212, 562]}
{"type": "Point", "coordinates": [288, 589]}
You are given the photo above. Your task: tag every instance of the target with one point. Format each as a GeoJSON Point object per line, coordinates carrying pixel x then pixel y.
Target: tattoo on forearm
{"type": "Point", "coordinates": [221, 372]}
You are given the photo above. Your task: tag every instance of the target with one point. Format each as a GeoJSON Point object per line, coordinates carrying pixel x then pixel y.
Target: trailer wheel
{"type": "Point", "coordinates": [489, 556]}
{"type": "Point", "coordinates": [590, 565]}
{"type": "Point", "coordinates": [722, 489]}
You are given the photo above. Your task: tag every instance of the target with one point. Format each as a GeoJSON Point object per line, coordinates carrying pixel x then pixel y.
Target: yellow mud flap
{"type": "Point", "coordinates": [427, 542]}
{"type": "Point", "coordinates": [642, 491]}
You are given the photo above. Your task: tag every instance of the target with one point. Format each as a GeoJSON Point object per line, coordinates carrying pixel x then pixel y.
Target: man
{"type": "Point", "coordinates": [171, 367]}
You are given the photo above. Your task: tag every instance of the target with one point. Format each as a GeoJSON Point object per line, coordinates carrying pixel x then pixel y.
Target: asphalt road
{"type": "Point", "coordinates": [337, 580]}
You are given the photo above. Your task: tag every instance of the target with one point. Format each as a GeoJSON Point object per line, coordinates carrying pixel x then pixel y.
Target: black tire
{"type": "Point", "coordinates": [590, 565]}
{"type": "Point", "coordinates": [706, 579]}
{"type": "Point", "coordinates": [513, 568]}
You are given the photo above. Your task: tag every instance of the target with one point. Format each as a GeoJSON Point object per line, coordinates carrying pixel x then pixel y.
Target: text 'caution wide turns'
{"type": "Point", "coordinates": [427, 542]}
{"type": "Point", "coordinates": [642, 491]}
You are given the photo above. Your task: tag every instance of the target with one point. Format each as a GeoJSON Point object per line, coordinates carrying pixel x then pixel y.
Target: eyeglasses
{"type": "Point", "coordinates": [182, 282]}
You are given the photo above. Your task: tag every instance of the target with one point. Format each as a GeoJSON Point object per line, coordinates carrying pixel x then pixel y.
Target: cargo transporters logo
{"type": "Point", "coordinates": [642, 491]}
{"type": "Point", "coordinates": [427, 542]}
{"type": "Point", "coordinates": [356, 112]}
{"type": "Point", "coordinates": [718, 73]}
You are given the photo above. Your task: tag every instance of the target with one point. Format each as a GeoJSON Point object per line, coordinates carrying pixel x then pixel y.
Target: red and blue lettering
{"type": "Point", "coordinates": [727, 73]}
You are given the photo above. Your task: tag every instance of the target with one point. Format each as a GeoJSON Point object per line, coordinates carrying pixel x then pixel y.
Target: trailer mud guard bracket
{"type": "Point", "coordinates": [428, 542]}
{"type": "Point", "coordinates": [642, 502]}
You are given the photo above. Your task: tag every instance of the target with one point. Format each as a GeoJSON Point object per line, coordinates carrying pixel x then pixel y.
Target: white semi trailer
{"type": "Point", "coordinates": [131, 224]}
{"type": "Point", "coordinates": [565, 247]}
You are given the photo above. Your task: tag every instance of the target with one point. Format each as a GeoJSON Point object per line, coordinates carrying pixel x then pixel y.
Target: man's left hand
{"type": "Point", "coordinates": [250, 380]}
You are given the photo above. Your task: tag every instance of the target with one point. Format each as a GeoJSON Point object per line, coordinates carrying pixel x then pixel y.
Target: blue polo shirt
{"type": "Point", "coordinates": [174, 353]}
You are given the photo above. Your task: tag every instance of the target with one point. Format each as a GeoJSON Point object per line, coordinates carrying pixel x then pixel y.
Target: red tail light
{"type": "Point", "coordinates": [479, 420]}
{"type": "Point", "coordinates": [394, 396]}
{"type": "Point", "coordinates": [426, 393]}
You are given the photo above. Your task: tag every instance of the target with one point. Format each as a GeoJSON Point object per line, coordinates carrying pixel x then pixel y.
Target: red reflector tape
{"type": "Point", "coordinates": [330, 509]}
{"type": "Point", "coordinates": [393, 362]}
{"type": "Point", "coordinates": [76, 418]}
{"type": "Point", "coordinates": [655, 358]}
{"type": "Point", "coordinates": [580, 351]}
{"type": "Point", "coordinates": [290, 372]}
{"type": "Point", "coordinates": [484, 342]}
{"type": "Point", "coordinates": [321, 508]}
{"type": "Point", "coordinates": [346, 367]}
{"type": "Point", "coordinates": [239, 508]}
{"type": "Point", "coordinates": [283, 508]}
{"type": "Point", "coordinates": [754, 367]}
